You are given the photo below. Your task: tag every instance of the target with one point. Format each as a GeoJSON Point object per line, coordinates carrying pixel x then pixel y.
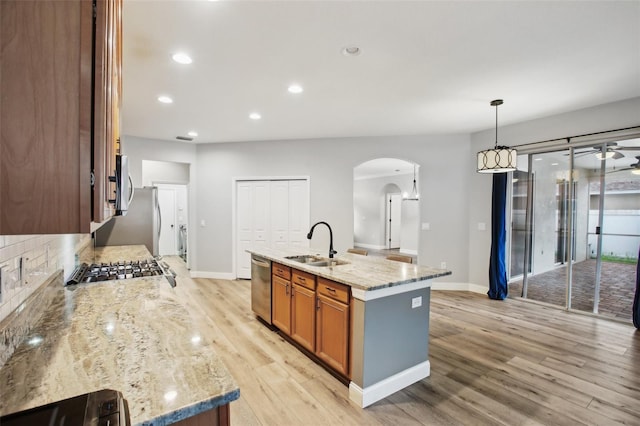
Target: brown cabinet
{"type": "Point", "coordinates": [61, 90]}
{"type": "Point", "coordinates": [314, 312]}
{"type": "Point", "coordinates": [303, 312]}
{"type": "Point", "coordinates": [332, 325]}
{"type": "Point", "coordinates": [281, 297]}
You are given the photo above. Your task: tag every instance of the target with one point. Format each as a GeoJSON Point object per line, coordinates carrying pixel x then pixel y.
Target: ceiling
{"type": "Point", "coordinates": [425, 67]}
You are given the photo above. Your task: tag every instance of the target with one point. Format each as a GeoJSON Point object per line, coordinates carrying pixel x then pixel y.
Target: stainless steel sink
{"type": "Point", "coordinates": [312, 260]}
{"type": "Point", "coordinates": [305, 258]}
{"type": "Point", "coordinates": [328, 262]}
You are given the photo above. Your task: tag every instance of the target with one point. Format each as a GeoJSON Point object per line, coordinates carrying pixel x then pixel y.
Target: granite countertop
{"type": "Point", "coordinates": [135, 336]}
{"type": "Point", "coordinates": [361, 272]}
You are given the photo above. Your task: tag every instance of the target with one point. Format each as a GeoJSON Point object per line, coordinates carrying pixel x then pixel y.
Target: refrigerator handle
{"type": "Point", "coordinates": [159, 218]}
{"type": "Point", "coordinates": [132, 191]}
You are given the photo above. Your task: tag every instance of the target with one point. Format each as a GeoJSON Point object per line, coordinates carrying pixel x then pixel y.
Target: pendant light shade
{"type": "Point", "coordinates": [499, 159]}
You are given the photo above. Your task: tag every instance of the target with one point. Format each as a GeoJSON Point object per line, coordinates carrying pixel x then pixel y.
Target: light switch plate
{"type": "Point", "coordinates": [426, 226]}
{"type": "Point", "coordinates": [416, 302]}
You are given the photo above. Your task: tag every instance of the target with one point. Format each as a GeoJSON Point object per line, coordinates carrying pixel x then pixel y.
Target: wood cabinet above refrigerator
{"type": "Point", "coordinates": [60, 85]}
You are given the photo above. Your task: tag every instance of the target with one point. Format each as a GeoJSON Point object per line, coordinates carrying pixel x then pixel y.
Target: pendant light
{"type": "Point", "coordinates": [499, 159]}
{"type": "Point", "coordinates": [415, 196]}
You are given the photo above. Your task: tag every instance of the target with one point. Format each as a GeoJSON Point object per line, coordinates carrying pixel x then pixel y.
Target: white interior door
{"type": "Point", "coordinates": [244, 226]}
{"type": "Point", "coordinates": [168, 230]}
{"type": "Point", "coordinates": [280, 214]}
{"type": "Point", "coordinates": [252, 221]}
{"type": "Point", "coordinates": [394, 220]}
{"type": "Point", "coordinates": [271, 213]}
{"type": "Point", "coordinates": [298, 213]}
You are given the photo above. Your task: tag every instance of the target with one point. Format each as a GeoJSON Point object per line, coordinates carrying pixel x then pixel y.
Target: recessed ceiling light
{"type": "Point", "coordinates": [192, 134]}
{"type": "Point", "coordinates": [165, 99]}
{"type": "Point", "coordinates": [554, 164]}
{"type": "Point", "coordinates": [537, 159]}
{"type": "Point", "coordinates": [255, 116]}
{"type": "Point", "coordinates": [295, 88]}
{"type": "Point", "coordinates": [351, 51]}
{"type": "Point", "coordinates": [182, 58]}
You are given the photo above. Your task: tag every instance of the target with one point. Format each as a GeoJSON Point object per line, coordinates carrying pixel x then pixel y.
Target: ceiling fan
{"type": "Point", "coordinates": [635, 167]}
{"type": "Point", "coordinates": [612, 152]}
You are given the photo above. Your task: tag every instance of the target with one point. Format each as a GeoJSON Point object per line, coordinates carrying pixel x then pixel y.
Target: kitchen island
{"type": "Point", "coordinates": [135, 336]}
{"type": "Point", "coordinates": [388, 316]}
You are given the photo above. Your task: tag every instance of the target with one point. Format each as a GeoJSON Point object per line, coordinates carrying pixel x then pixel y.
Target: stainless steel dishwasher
{"type": "Point", "coordinates": [261, 287]}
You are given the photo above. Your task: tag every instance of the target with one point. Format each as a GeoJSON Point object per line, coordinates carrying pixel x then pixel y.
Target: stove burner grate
{"type": "Point", "coordinates": [122, 270]}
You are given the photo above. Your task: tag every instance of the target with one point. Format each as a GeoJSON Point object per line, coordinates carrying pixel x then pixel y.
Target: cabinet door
{"type": "Point", "coordinates": [303, 316]}
{"type": "Point", "coordinates": [45, 111]}
{"type": "Point", "coordinates": [332, 333]}
{"type": "Point", "coordinates": [281, 303]}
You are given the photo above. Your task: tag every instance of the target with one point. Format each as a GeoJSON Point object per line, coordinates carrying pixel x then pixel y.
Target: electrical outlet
{"type": "Point", "coordinates": [443, 265]}
{"type": "Point", "coordinates": [416, 302]}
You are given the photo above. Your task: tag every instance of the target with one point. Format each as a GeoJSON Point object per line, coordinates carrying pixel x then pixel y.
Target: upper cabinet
{"type": "Point", "coordinates": [60, 87]}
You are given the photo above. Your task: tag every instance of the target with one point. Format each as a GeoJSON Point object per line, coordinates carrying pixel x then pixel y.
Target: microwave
{"type": "Point", "coordinates": [124, 187]}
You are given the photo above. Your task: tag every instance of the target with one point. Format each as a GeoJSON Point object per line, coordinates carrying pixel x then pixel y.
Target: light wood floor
{"type": "Point", "coordinates": [492, 362]}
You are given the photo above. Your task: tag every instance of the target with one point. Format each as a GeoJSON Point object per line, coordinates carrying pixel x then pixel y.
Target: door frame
{"type": "Point", "coordinates": [187, 187]}
{"type": "Point", "coordinates": [234, 202]}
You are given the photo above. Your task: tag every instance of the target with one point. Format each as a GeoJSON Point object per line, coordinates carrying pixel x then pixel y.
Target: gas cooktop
{"type": "Point", "coordinates": [122, 270]}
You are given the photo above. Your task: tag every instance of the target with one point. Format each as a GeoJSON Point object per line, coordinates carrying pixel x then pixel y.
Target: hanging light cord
{"type": "Point", "coordinates": [496, 126]}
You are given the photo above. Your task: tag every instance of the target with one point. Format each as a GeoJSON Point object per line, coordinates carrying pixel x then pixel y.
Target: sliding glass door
{"type": "Point", "coordinates": [575, 227]}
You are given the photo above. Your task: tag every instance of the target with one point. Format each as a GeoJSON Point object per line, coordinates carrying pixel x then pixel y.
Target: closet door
{"type": "Point", "coordinates": [280, 214]}
{"type": "Point", "coordinates": [298, 213]}
{"type": "Point", "coordinates": [270, 213]}
{"type": "Point", "coordinates": [252, 222]}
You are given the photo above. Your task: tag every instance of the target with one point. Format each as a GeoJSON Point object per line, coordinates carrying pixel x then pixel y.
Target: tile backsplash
{"type": "Point", "coordinates": [27, 261]}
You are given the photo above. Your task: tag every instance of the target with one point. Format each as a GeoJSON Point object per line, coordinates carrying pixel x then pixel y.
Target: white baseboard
{"type": "Point", "coordinates": [474, 288]}
{"type": "Point", "coordinates": [214, 275]}
{"type": "Point", "coordinates": [407, 251]}
{"type": "Point", "coordinates": [384, 388]}
{"type": "Point", "coordinates": [370, 246]}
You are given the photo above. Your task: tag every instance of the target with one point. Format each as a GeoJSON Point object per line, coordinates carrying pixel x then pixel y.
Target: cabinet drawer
{"type": "Point", "coordinates": [333, 290]}
{"type": "Point", "coordinates": [304, 279]}
{"type": "Point", "coordinates": [281, 270]}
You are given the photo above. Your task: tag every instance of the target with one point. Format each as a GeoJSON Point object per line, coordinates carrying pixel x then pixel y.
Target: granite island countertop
{"type": "Point", "coordinates": [134, 335]}
{"type": "Point", "coordinates": [364, 273]}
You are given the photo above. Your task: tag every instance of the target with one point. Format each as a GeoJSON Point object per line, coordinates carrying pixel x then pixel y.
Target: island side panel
{"type": "Point", "coordinates": [389, 336]}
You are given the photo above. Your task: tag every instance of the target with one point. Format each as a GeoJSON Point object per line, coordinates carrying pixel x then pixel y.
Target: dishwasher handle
{"type": "Point", "coordinates": [260, 263]}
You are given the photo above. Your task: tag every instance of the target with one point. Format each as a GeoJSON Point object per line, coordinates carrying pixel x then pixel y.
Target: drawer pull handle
{"type": "Point", "coordinates": [332, 290]}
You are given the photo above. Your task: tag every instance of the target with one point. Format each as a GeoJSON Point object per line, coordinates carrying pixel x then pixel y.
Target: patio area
{"type": "Point", "coordinates": [617, 288]}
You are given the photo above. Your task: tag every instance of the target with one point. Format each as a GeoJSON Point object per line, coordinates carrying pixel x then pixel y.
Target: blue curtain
{"type": "Point", "coordinates": [636, 299]}
{"type": "Point", "coordinates": [497, 269]}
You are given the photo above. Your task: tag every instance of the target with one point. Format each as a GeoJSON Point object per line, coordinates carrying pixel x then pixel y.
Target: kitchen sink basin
{"type": "Point", "coordinates": [328, 262]}
{"type": "Point", "coordinates": [305, 258]}
{"type": "Point", "coordinates": [312, 260]}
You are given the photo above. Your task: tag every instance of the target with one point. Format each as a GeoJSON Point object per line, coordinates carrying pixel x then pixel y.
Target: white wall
{"type": "Point", "coordinates": [597, 119]}
{"type": "Point", "coordinates": [329, 163]}
{"type": "Point", "coordinates": [154, 172]}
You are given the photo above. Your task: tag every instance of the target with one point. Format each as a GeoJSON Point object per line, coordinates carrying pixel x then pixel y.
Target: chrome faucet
{"type": "Point", "coordinates": [310, 234]}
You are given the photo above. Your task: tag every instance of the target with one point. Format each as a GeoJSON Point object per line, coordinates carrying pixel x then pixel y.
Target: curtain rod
{"type": "Point", "coordinates": [570, 139]}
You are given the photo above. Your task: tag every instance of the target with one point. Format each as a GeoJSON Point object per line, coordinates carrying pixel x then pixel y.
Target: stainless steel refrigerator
{"type": "Point", "coordinates": [141, 225]}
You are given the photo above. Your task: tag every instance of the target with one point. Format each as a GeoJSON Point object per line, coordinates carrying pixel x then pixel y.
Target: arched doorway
{"type": "Point", "coordinates": [385, 215]}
